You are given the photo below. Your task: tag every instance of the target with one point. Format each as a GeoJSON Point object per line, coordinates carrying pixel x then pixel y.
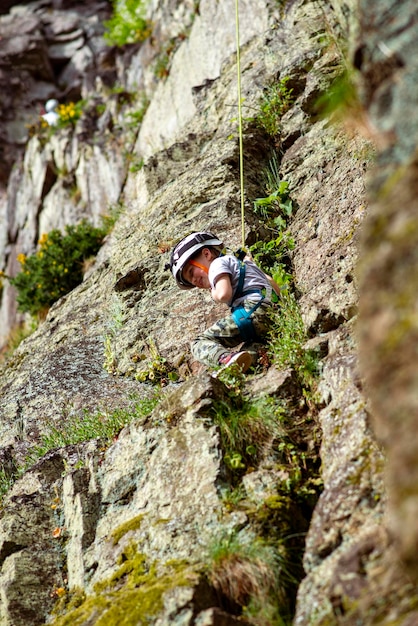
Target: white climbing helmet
{"type": "Point", "coordinates": [51, 105]}
{"type": "Point", "coordinates": [184, 250]}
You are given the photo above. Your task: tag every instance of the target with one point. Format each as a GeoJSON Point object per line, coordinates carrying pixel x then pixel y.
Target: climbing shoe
{"type": "Point", "coordinates": [243, 360]}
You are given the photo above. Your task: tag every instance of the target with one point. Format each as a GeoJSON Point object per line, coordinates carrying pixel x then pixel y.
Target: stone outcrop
{"type": "Point", "coordinates": [130, 524]}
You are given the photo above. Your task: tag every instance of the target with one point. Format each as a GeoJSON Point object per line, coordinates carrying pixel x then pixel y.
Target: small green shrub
{"type": "Point", "coordinates": [288, 335]}
{"type": "Point", "coordinates": [232, 497]}
{"type": "Point", "coordinates": [137, 166]}
{"type": "Point", "coordinates": [274, 211]}
{"type": "Point", "coordinates": [56, 268]}
{"type": "Point", "coordinates": [271, 256]}
{"type": "Point", "coordinates": [271, 174]}
{"type": "Point", "coordinates": [162, 64]}
{"type": "Point", "coordinates": [68, 114]}
{"type": "Point", "coordinates": [128, 23]}
{"type": "Point", "coordinates": [234, 379]}
{"type": "Point", "coordinates": [274, 103]}
{"type": "Point", "coordinates": [99, 108]}
{"type": "Point", "coordinates": [278, 202]}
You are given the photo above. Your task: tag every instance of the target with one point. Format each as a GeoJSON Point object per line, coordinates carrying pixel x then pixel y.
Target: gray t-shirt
{"type": "Point", "coordinates": [254, 277]}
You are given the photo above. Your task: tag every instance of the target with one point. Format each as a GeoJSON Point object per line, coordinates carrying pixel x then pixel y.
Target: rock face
{"type": "Point", "coordinates": [45, 53]}
{"type": "Point", "coordinates": [388, 327]}
{"type": "Point", "coordinates": [94, 531]}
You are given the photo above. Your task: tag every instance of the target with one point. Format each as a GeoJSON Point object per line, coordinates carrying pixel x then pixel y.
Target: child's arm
{"type": "Point", "coordinates": [222, 291]}
{"type": "Point", "coordinates": [273, 284]}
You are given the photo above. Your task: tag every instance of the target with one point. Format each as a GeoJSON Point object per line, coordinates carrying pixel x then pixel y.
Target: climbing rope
{"type": "Point", "coordinates": [241, 159]}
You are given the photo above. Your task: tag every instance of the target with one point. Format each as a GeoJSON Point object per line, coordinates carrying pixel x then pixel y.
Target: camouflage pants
{"type": "Point", "coordinates": [224, 335]}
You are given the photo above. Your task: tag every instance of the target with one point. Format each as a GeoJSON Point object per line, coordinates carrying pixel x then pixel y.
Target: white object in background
{"type": "Point", "coordinates": [51, 116]}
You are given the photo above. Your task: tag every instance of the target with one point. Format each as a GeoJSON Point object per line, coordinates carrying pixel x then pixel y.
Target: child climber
{"type": "Point", "coordinates": [198, 260]}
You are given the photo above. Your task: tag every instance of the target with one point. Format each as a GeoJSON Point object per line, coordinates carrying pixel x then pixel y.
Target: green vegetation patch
{"type": "Point", "coordinates": [69, 113]}
{"type": "Point", "coordinates": [128, 24]}
{"type": "Point", "coordinates": [246, 571]}
{"type": "Point", "coordinates": [274, 103]}
{"type": "Point", "coordinates": [101, 425]}
{"type": "Point", "coordinates": [76, 429]}
{"type": "Point", "coordinates": [153, 367]}
{"type": "Point", "coordinates": [6, 482]}
{"type": "Point", "coordinates": [57, 267]}
{"type": "Point", "coordinates": [274, 211]}
{"type": "Point", "coordinates": [287, 339]}
{"type": "Point", "coordinates": [247, 431]}
{"type": "Point", "coordinates": [341, 100]}
{"type": "Point", "coordinates": [288, 334]}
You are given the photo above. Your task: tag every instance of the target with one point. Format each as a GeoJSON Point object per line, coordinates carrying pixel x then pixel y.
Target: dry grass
{"type": "Point", "coordinates": [246, 573]}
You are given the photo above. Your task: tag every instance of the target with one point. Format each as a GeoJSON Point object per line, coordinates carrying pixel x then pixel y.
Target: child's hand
{"type": "Point", "coordinates": [222, 291]}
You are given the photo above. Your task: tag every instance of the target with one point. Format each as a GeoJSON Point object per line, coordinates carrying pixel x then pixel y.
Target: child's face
{"type": "Point", "coordinates": [196, 271]}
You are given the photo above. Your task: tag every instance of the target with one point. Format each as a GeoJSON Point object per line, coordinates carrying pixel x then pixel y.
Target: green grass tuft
{"type": "Point", "coordinates": [287, 339]}
{"type": "Point", "coordinates": [247, 432]}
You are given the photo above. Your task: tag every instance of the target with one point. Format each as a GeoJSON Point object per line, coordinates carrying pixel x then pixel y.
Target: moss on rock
{"type": "Point", "coordinates": [132, 595]}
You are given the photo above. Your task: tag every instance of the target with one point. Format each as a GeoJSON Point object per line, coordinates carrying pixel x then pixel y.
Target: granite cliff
{"type": "Point", "coordinates": [158, 525]}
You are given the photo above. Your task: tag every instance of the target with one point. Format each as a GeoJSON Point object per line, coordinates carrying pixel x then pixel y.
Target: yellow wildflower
{"type": "Point", "coordinates": [21, 258]}
{"type": "Point", "coordinates": [43, 239]}
{"type": "Point", "coordinates": [58, 592]}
